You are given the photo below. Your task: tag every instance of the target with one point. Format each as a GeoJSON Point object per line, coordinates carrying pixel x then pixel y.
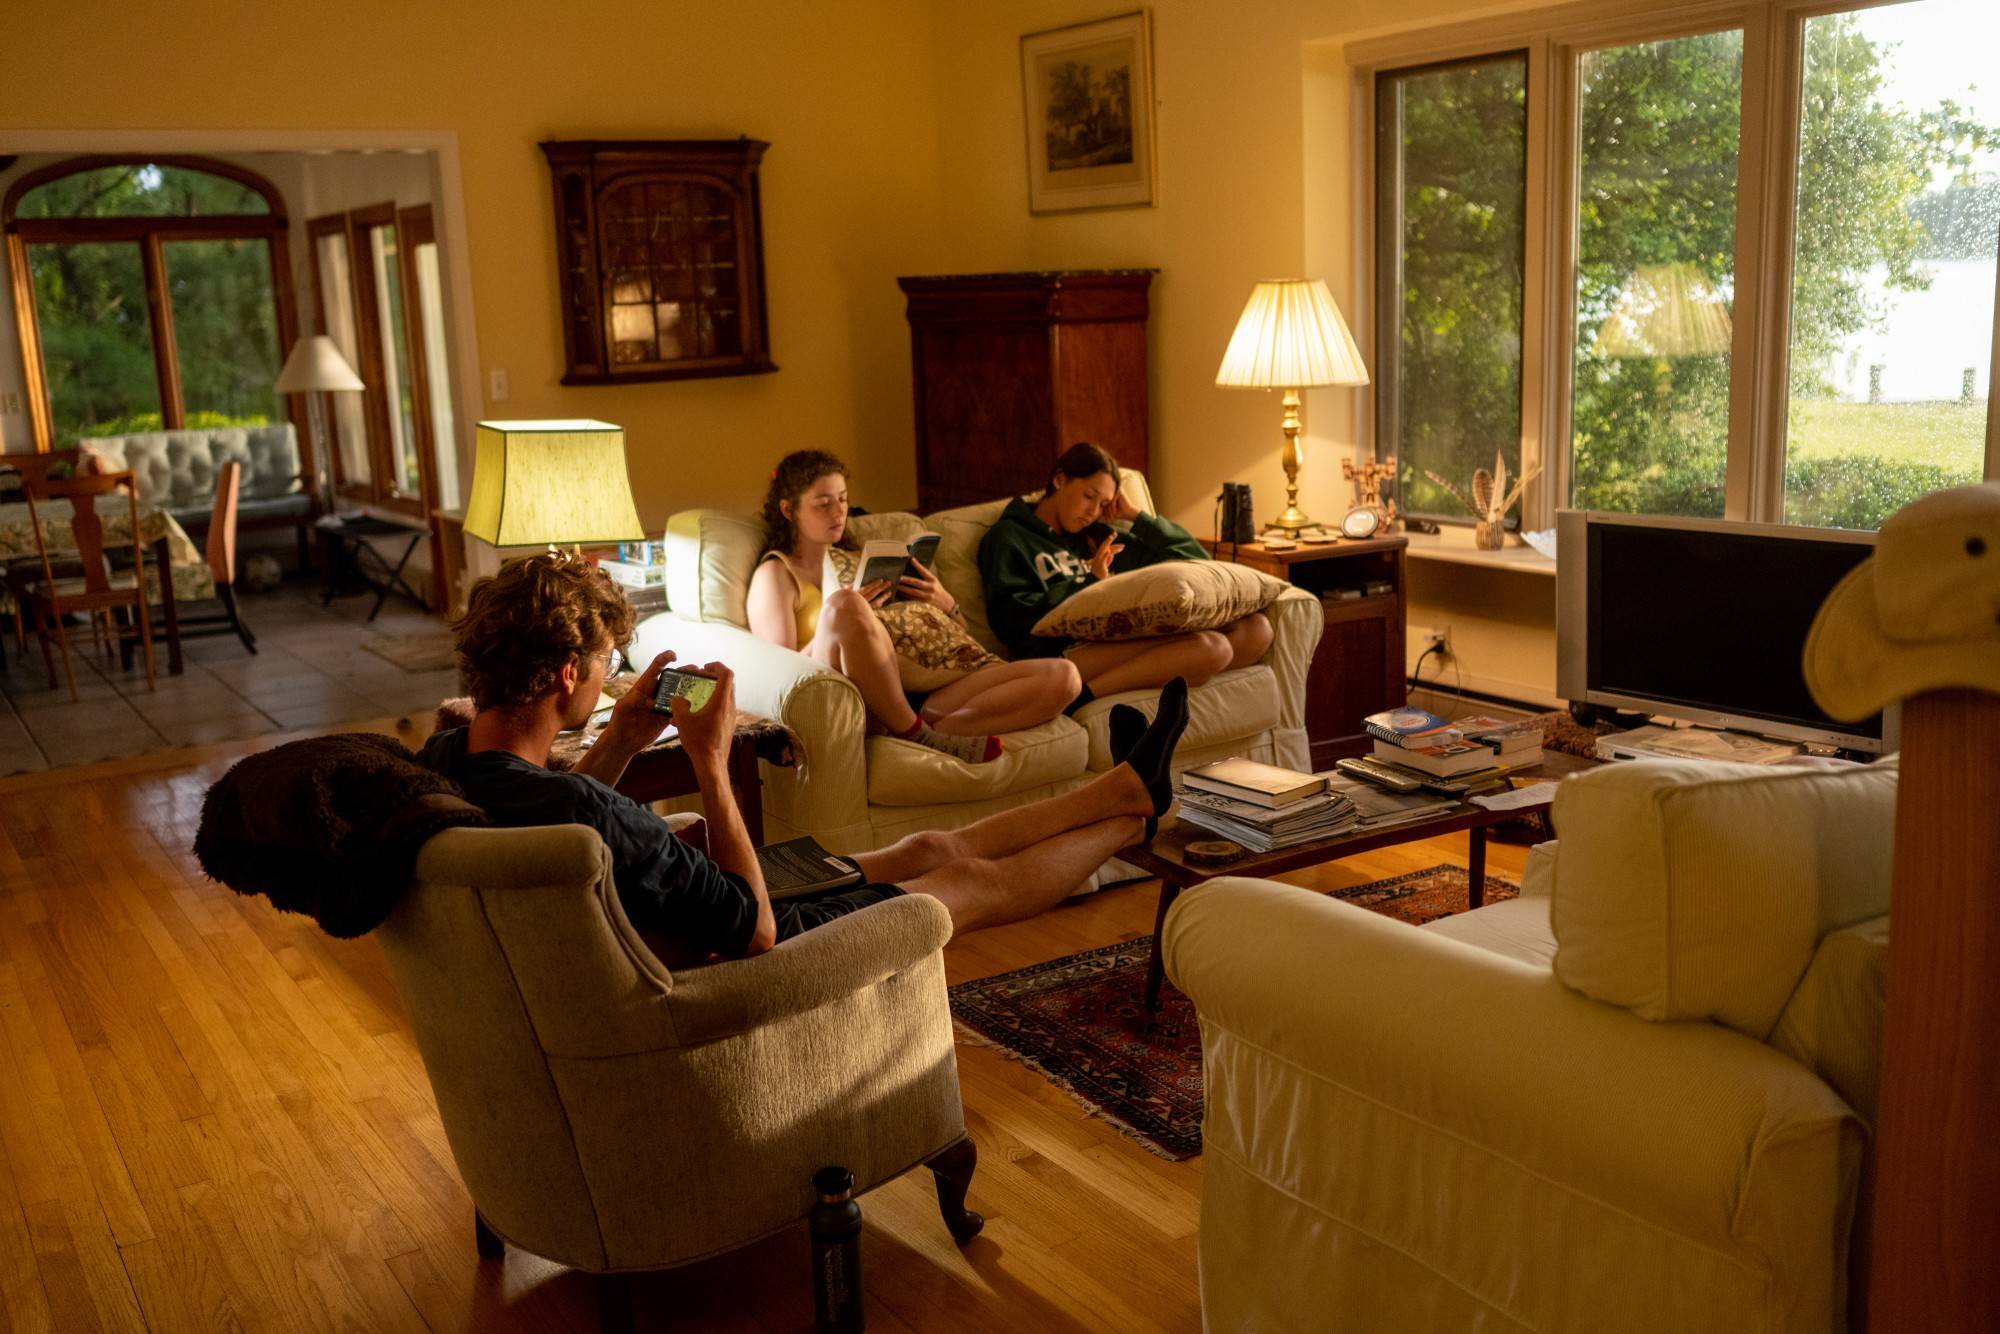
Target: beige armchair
{"type": "Point", "coordinates": [1636, 1098]}
{"type": "Point", "coordinates": [613, 1115]}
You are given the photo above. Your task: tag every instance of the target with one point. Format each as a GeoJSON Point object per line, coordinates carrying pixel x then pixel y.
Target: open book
{"type": "Point", "coordinates": [888, 558]}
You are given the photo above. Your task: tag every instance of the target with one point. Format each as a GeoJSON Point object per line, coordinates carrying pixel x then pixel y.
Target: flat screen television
{"type": "Point", "coordinates": [1701, 620]}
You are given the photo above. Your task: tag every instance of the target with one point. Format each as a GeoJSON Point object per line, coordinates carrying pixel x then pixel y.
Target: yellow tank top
{"type": "Point", "coordinates": [805, 602]}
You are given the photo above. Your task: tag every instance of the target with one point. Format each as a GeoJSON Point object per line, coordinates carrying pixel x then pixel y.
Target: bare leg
{"type": "Point", "coordinates": [1114, 795]}
{"type": "Point", "coordinates": [1004, 697]}
{"type": "Point", "coordinates": [1141, 663]}
{"type": "Point", "coordinates": [1249, 639]}
{"type": "Point", "coordinates": [981, 892]}
{"type": "Point", "coordinates": [852, 642]}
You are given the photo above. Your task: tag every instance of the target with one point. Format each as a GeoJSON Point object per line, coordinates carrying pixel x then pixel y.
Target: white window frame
{"type": "Point", "coordinates": [1766, 189]}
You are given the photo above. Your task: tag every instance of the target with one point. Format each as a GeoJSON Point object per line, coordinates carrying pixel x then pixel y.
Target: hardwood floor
{"type": "Point", "coordinates": [212, 1117]}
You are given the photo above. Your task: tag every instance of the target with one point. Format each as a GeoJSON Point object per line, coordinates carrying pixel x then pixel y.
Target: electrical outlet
{"type": "Point", "coordinates": [1439, 638]}
{"type": "Point", "coordinates": [496, 385]}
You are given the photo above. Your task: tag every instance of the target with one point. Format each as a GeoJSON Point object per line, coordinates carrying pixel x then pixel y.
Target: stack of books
{"type": "Point", "coordinates": [1515, 744]}
{"type": "Point", "coordinates": [1262, 806]}
{"type": "Point", "coordinates": [1426, 745]}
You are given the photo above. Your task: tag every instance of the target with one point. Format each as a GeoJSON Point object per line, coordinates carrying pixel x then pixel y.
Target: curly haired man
{"type": "Point", "coordinates": [535, 645]}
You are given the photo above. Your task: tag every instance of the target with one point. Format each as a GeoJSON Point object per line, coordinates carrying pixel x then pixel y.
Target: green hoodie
{"type": "Point", "coordinates": [1028, 568]}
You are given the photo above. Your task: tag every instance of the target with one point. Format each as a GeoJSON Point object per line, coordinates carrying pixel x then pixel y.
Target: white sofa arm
{"type": "Point", "coordinates": [1296, 625]}
{"type": "Point", "coordinates": [828, 788]}
{"type": "Point", "coordinates": [1383, 1073]}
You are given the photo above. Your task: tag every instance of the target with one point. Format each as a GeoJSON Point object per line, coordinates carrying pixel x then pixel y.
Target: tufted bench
{"type": "Point", "coordinates": [177, 469]}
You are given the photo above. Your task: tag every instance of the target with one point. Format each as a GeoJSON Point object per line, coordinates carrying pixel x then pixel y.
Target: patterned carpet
{"type": "Point", "coordinates": [1081, 1020]}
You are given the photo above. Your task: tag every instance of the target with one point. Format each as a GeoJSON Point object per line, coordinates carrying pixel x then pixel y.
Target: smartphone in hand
{"type": "Point", "coordinates": [692, 686]}
{"type": "Point", "coordinates": [1093, 536]}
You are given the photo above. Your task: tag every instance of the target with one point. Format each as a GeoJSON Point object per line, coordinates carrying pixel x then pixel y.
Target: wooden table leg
{"type": "Point", "coordinates": [746, 780]}
{"type": "Point", "coordinates": [1475, 870]}
{"type": "Point", "coordinates": [162, 561]}
{"type": "Point", "coordinates": [1156, 969]}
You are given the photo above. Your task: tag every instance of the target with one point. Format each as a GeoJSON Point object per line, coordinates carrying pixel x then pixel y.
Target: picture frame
{"type": "Point", "coordinates": [1087, 108]}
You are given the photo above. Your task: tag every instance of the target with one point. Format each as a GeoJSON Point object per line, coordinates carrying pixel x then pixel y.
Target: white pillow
{"type": "Point", "coordinates": [711, 555]}
{"type": "Point", "coordinates": [1692, 890]}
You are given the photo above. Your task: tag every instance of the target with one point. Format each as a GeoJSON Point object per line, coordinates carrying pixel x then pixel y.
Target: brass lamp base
{"type": "Point", "coordinates": [1293, 521]}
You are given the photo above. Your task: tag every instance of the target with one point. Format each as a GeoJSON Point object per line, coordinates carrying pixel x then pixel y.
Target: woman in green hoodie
{"type": "Point", "coordinates": [1039, 553]}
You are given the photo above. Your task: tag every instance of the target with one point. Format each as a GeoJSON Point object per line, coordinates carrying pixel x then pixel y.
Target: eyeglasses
{"type": "Point", "coordinates": [613, 660]}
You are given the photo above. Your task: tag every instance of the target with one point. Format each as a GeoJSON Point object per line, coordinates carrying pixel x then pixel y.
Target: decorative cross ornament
{"type": "Point", "coordinates": [1368, 478]}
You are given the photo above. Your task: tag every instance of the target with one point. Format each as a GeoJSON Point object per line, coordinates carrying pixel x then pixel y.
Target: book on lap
{"type": "Point", "coordinates": [801, 866]}
{"type": "Point", "coordinates": [887, 558]}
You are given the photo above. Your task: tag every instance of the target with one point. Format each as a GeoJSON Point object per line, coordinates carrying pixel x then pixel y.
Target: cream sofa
{"type": "Point", "coordinates": [1637, 1098]}
{"type": "Point", "coordinates": [853, 791]}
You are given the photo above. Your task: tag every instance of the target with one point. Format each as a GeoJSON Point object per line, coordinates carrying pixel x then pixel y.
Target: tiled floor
{"type": "Point", "coordinates": [310, 670]}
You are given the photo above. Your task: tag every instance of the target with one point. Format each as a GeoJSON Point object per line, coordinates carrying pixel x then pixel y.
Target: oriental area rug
{"type": "Point", "coordinates": [1081, 1020]}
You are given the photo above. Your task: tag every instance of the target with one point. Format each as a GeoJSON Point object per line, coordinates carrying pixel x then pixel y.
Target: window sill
{"type": "Point", "coordinates": [1454, 546]}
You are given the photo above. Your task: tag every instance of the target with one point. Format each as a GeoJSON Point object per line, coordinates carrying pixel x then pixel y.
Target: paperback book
{"type": "Point", "coordinates": [1410, 726]}
{"type": "Point", "coordinates": [1249, 781]}
{"type": "Point", "coordinates": [1444, 760]}
{"type": "Point", "coordinates": [801, 866]}
{"type": "Point", "coordinates": [889, 558]}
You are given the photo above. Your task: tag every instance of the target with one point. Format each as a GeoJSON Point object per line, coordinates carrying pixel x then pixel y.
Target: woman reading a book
{"type": "Point", "coordinates": [1039, 553]}
{"type": "Point", "coordinates": [973, 695]}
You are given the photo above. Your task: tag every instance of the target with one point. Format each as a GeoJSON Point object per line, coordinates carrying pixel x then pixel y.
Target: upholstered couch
{"type": "Point", "coordinates": [1636, 1098]}
{"type": "Point", "coordinates": [854, 791]}
{"type": "Point", "coordinates": [177, 470]}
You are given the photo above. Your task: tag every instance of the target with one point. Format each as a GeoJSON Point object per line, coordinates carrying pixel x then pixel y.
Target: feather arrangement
{"type": "Point", "coordinates": [1491, 498]}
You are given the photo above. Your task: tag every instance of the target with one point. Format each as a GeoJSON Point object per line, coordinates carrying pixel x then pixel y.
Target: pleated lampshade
{"type": "Point", "coordinates": [1291, 336]}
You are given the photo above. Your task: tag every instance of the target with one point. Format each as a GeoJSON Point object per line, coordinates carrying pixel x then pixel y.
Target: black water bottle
{"type": "Point", "coordinates": [835, 1223]}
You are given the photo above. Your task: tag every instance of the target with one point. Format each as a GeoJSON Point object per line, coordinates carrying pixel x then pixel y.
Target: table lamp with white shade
{"type": "Point", "coordinates": [551, 483]}
{"type": "Point", "coordinates": [1291, 337]}
{"type": "Point", "coordinates": [314, 368]}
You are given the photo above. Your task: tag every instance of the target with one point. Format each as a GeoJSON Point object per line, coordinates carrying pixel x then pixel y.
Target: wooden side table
{"type": "Point", "coordinates": [1358, 667]}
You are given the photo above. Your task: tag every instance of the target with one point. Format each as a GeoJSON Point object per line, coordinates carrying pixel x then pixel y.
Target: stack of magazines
{"type": "Point", "coordinates": [1377, 808]}
{"type": "Point", "coordinates": [1265, 828]}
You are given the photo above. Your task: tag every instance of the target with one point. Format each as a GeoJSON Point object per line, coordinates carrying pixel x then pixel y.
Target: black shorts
{"type": "Point", "coordinates": [798, 915]}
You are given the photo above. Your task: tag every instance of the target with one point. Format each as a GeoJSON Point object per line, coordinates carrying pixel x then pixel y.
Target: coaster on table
{"type": "Point", "coordinates": [1212, 851]}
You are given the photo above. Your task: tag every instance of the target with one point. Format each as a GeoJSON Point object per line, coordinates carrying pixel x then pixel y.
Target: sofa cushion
{"type": "Point", "coordinates": [1236, 704]}
{"type": "Point", "coordinates": [903, 773]}
{"type": "Point", "coordinates": [177, 469]}
{"type": "Point", "coordinates": [1516, 929]}
{"type": "Point", "coordinates": [711, 555]}
{"type": "Point", "coordinates": [1164, 599]}
{"type": "Point", "coordinates": [1832, 1024]}
{"type": "Point", "coordinates": [1688, 890]}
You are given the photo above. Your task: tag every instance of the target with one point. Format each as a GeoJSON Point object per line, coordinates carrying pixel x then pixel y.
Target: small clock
{"type": "Point", "coordinates": [1361, 521]}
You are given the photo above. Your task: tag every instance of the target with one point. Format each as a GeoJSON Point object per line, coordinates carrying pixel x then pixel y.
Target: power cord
{"type": "Point", "coordinates": [1417, 672]}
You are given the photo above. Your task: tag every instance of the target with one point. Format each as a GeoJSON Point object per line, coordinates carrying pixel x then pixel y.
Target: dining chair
{"type": "Point", "coordinates": [221, 567]}
{"type": "Point", "coordinates": [97, 588]}
{"type": "Point", "coordinates": [21, 475]}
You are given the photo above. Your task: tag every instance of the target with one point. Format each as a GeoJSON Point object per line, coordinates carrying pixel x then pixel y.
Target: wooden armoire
{"type": "Point", "coordinates": [1011, 369]}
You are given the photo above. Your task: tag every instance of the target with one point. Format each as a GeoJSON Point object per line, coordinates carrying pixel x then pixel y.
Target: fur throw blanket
{"type": "Point", "coordinates": [329, 827]}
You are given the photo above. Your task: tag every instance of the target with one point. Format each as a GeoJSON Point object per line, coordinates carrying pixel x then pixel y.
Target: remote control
{"type": "Point", "coordinates": [1378, 774]}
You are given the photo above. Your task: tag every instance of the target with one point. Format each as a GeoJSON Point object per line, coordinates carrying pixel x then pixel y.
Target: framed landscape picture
{"type": "Point", "coordinates": [1088, 95]}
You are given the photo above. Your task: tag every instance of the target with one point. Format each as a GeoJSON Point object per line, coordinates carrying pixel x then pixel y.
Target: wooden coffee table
{"type": "Point", "coordinates": [1166, 855]}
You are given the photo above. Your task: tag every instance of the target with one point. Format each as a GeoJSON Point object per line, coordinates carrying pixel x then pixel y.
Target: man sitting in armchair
{"type": "Point", "coordinates": [534, 647]}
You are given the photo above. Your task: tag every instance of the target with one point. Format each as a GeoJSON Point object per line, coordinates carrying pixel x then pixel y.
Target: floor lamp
{"type": "Point", "coordinates": [314, 368]}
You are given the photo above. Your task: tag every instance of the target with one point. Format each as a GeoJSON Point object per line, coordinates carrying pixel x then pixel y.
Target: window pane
{"type": "Point", "coordinates": [337, 293]}
{"type": "Point", "coordinates": [437, 367]}
{"type": "Point", "coordinates": [1655, 259]}
{"type": "Point", "coordinates": [97, 338]}
{"type": "Point", "coordinates": [395, 361]}
{"type": "Point", "coordinates": [1452, 151]}
{"type": "Point", "coordinates": [1893, 270]}
{"type": "Point", "coordinates": [139, 191]}
{"type": "Point", "coordinates": [225, 330]}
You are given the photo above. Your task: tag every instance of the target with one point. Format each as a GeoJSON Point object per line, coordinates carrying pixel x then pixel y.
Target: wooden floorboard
{"type": "Point", "coordinates": [212, 1117]}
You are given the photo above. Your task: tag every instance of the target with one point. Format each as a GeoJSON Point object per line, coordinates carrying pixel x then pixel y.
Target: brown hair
{"type": "Point", "coordinates": [1081, 460]}
{"type": "Point", "coordinates": [794, 475]}
{"type": "Point", "coordinates": [523, 624]}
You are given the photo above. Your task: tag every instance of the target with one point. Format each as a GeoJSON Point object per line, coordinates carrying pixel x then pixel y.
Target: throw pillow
{"type": "Point", "coordinates": [1164, 599]}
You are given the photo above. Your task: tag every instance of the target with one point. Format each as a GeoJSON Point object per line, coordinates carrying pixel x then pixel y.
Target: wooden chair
{"type": "Point", "coordinates": [22, 475]}
{"type": "Point", "coordinates": [97, 589]}
{"type": "Point", "coordinates": [221, 565]}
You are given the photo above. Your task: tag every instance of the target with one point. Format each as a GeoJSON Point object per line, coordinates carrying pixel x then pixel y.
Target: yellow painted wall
{"type": "Point", "coordinates": [843, 92]}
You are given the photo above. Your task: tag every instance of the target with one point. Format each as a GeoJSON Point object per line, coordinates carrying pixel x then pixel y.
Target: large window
{"type": "Point", "coordinates": [1760, 255]}
{"type": "Point", "coordinates": [1452, 147]}
{"type": "Point", "coordinates": [154, 294]}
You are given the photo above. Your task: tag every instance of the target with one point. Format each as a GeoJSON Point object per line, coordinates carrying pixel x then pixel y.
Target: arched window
{"type": "Point", "coordinates": [151, 293]}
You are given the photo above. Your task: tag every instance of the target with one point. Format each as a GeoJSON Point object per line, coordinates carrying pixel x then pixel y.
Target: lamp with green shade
{"type": "Point", "coordinates": [557, 483]}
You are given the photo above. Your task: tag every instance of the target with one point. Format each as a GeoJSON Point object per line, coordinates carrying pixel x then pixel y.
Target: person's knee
{"type": "Point", "coordinates": [936, 847]}
{"type": "Point", "coordinates": [1214, 649]}
{"type": "Point", "coordinates": [1061, 678]}
{"type": "Point", "coordinates": [847, 616]}
{"type": "Point", "coordinates": [1251, 636]}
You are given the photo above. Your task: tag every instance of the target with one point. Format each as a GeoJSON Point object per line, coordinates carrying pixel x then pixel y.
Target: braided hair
{"type": "Point", "coordinates": [792, 478]}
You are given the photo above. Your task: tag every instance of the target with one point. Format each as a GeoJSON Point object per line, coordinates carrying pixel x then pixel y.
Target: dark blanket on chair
{"type": "Point", "coordinates": [329, 827]}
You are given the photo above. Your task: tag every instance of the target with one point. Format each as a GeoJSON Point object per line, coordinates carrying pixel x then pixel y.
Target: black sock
{"type": "Point", "coordinates": [1152, 756]}
{"type": "Point", "coordinates": [1083, 697]}
{"type": "Point", "coordinates": [1127, 726]}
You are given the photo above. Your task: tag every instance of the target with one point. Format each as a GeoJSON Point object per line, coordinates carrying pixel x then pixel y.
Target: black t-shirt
{"type": "Point", "coordinates": [664, 884]}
